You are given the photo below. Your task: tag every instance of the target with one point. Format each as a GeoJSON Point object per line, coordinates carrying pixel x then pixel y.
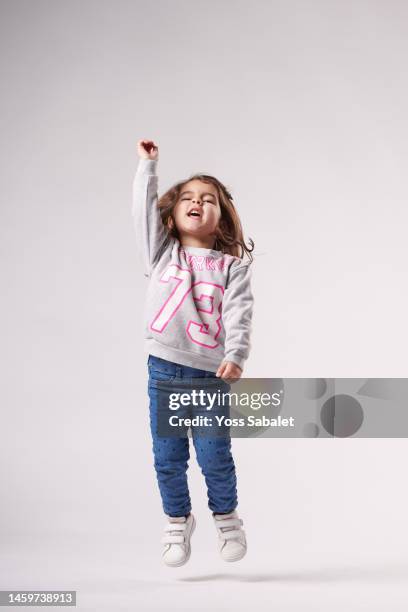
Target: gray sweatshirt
{"type": "Point", "coordinates": [199, 301]}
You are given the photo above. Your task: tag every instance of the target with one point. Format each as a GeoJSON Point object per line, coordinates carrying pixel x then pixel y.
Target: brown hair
{"type": "Point", "coordinates": [229, 234]}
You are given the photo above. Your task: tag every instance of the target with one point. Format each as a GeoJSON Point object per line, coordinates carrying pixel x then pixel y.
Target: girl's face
{"type": "Point", "coordinates": [197, 211]}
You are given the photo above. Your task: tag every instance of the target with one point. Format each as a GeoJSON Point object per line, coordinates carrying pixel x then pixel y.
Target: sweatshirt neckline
{"type": "Point", "coordinates": [199, 250]}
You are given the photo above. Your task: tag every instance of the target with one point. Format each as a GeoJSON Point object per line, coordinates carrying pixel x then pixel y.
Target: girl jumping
{"type": "Point", "coordinates": [197, 325]}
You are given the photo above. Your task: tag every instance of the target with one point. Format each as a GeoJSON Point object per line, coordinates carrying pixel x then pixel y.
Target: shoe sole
{"type": "Point", "coordinates": [184, 561]}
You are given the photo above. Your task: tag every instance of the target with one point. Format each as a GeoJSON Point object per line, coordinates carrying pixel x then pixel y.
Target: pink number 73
{"type": "Point", "coordinates": [208, 301]}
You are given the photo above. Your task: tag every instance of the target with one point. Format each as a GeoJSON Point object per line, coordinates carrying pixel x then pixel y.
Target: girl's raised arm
{"type": "Point", "coordinates": [150, 231]}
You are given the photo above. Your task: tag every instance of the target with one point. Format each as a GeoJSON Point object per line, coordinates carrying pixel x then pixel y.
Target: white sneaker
{"type": "Point", "coordinates": [231, 538]}
{"type": "Point", "coordinates": [176, 540]}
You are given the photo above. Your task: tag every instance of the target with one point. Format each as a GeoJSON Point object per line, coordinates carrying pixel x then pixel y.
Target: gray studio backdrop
{"type": "Point", "coordinates": [300, 108]}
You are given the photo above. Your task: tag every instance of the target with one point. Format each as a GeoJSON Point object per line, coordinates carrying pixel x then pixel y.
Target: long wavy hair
{"type": "Point", "coordinates": [229, 236]}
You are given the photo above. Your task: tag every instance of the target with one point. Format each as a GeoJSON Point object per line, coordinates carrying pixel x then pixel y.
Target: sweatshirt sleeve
{"type": "Point", "coordinates": [237, 309]}
{"type": "Point", "coordinates": [150, 232]}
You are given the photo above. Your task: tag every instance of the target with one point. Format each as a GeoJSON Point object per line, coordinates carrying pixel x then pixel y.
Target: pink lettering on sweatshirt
{"type": "Point", "coordinates": [205, 262]}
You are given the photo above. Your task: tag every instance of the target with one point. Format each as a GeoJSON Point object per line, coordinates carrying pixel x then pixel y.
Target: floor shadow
{"type": "Point", "coordinates": [380, 573]}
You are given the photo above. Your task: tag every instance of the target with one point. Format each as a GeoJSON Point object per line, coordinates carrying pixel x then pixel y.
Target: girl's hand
{"type": "Point", "coordinates": [147, 149]}
{"type": "Point", "coordinates": [229, 370]}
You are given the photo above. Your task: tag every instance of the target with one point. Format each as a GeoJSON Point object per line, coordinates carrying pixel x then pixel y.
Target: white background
{"type": "Point", "coordinates": [300, 108]}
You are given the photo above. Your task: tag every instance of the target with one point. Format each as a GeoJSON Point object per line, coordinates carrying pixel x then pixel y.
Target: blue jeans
{"type": "Point", "coordinates": [171, 454]}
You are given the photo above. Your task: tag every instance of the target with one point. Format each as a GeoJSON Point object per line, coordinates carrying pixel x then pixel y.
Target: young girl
{"type": "Point", "coordinates": [197, 325]}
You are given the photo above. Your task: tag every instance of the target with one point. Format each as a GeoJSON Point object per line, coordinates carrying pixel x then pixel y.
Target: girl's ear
{"type": "Point", "coordinates": [170, 222]}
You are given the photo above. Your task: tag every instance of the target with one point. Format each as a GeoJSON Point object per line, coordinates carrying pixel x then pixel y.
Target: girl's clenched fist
{"type": "Point", "coordinates": [146, 149]}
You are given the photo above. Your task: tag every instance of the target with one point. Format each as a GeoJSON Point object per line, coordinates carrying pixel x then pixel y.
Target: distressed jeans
{"type": "Point", "coordinates": [171, 454]}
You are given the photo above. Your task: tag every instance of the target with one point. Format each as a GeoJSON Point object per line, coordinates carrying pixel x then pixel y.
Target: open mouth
{"type": "Point", "coordinates": [194, 213]}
